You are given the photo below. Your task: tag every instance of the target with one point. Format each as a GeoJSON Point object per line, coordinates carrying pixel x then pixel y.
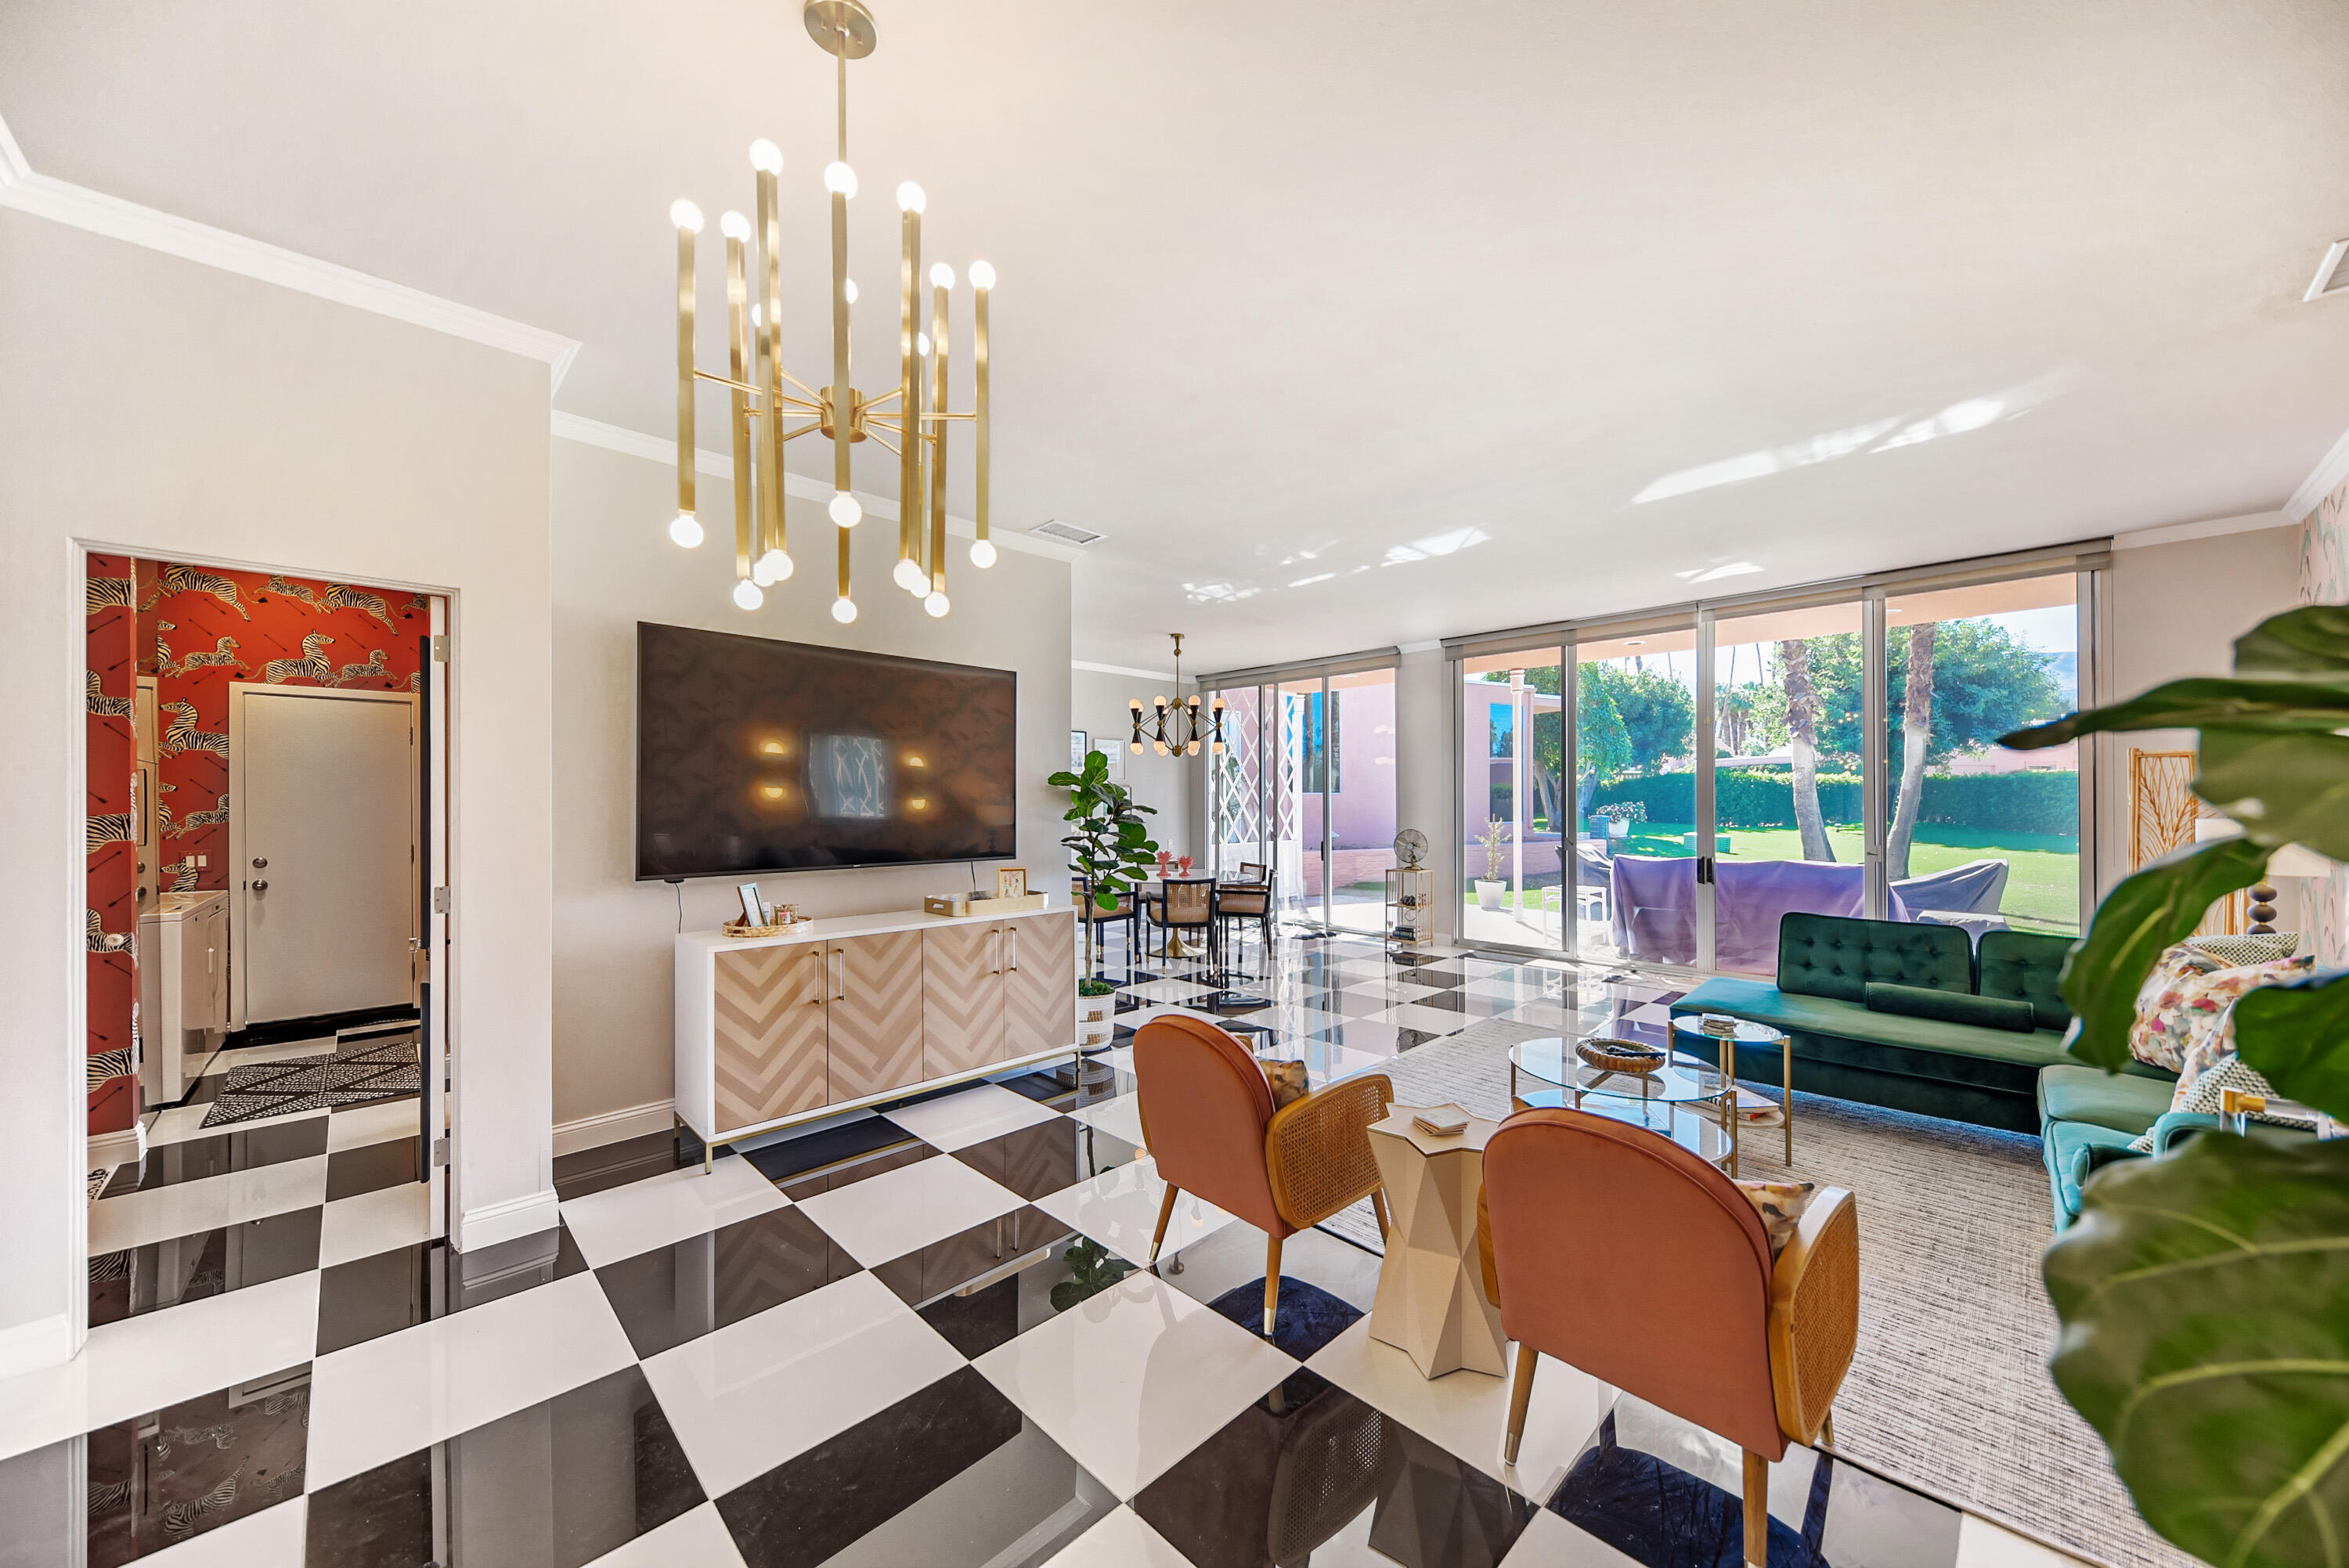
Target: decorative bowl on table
{"type": "Point", "coordinates": [1609, 1054]}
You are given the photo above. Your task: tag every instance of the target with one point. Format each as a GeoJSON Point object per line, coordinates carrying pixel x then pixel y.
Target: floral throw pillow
{"type": "Point", "coordinates": [2208, 1012]}
{"type": "Point", "coordinates": [2158, 1036]}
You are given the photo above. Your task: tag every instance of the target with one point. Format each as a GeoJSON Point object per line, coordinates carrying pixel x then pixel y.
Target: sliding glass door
{"type": "Point", "coordinates": [1514, 799]}
{"type": "Point", "coordinates": [1239, 816]}
{"type": "Point", "coordinates": [1635, 770]}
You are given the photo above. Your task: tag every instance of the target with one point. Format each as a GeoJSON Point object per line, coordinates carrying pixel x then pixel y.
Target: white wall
{"type": "Point", "coordinates": [170, 410]}
{"type": "Point", "coordinates": [615, 566]}
{"type": "Point", "coordinates": [1166, 784]}
{"type": "Point", "coordinates": [2174, 609]}
{"type": "Point", "coordinates": [1424, 774]}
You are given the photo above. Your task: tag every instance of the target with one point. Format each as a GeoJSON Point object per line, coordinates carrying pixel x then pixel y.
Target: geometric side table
{"type": "Point", "coordinates": [1430, 1301]}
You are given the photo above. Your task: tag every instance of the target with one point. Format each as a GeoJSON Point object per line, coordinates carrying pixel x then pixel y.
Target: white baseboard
{"type": "Point", "coordinates": [612, 1127]}
{"type": "Point", "coordinates": [44, 1342]}
{"type": "Point", "coordinates": [516, 1217]}
{"type": "Point", "coordinates": [109, 1149]}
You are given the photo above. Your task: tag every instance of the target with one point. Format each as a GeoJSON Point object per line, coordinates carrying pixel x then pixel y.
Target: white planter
{"type": "Point", "coordinates": [1489, 893]}
{"type": "Point", "coordinates": [1096, 1020]}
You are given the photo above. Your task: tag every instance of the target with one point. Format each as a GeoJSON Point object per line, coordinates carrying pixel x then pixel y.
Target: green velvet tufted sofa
{"type": "Point", "coordinates": [1972, 1034]}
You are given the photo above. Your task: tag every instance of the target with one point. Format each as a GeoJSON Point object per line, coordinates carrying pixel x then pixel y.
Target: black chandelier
{"type": "Point", "coordinates": [1188, 732]}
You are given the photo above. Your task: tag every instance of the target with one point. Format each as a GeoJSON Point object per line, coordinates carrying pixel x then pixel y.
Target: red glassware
{"type": "Point", "coordinates": [1185, 863]}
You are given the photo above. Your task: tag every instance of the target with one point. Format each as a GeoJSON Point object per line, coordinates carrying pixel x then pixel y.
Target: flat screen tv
{"type": "Point", "coordinates": [754, 756]}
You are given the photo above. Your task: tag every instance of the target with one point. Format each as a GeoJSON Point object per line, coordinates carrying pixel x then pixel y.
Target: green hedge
{"type": "Point", "coordinates": [2033, 802]}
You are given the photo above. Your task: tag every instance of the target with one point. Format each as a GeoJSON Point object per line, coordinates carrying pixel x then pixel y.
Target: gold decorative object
{"type": "Point", "coordinates": [759, 405]}
{"type": "Point", "coordinates": [1184, 711]}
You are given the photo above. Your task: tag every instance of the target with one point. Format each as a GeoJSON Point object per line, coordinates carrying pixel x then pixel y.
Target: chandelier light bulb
{"type": "Point", "coordinates": [846, 511]}
{"type": "Point", "coordinates": [766, 157]}
{"type": "Point", "coordinates": [760, 574]}
{"type": "Point", "coordinates": [840, 179]}
{"type": "Point", "coordinates": [982, 553]}
{"type": "Point", "coordinates": [1161, 745]}
{"type": "Point", "coordinates": [982, 275]}
{"type": "Point", "coordinates": [910, 576]}
{"type": "Point", "coordinates": [685, 529]}
{"type": "Point", "coordinates": [684, 215]}
{"type": "Point", "coordinates": [942, 276]}
{"type": "Point", "coordinates": [843, 609]}
{"type": "Point", "coordinates": [910, 198]}
{"type": "Point", "coordinates": [848, 290]}
{"type": "Point", "coordinates": [936, 605]}
{"type": "Point", "coordinates": [747, 595]}
{"type": "Point", "coordinates": [775, 564]}
{"type": "Point", "coordinates": [734, 226]}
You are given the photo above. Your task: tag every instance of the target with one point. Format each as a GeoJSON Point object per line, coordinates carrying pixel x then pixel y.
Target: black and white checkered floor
{"type": "Point", "coordinates": [921, 1337]}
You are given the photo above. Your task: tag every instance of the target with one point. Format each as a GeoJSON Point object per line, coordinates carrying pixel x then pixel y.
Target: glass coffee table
{"type": "Point", "coordinates": [1641, 1098]}
{"type": "Point", "coordinates": [1687, 1030]}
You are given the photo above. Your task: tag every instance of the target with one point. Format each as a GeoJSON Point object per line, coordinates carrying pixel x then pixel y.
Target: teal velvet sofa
{"type": "Point", "coordinates": [2088, 1119]}
{"type": "Point", "coordinates": [1949, 1065]}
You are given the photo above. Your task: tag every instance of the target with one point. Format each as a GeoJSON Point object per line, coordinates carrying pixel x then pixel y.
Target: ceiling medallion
{"type": "Point", "coordinates": [1184, 711]}
{"type": "Point", "coordinates": [762, 406]}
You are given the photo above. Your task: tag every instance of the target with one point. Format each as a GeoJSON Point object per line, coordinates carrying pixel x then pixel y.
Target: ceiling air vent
{"type": "Point", "coordinates": [2332, 276]}
{"type": "Point", "coordinates": [1066, 532]}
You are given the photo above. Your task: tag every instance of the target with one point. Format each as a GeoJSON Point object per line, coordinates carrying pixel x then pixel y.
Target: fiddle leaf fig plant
{"type": "Point", "coordinates": [1112, 844]}
{"type": "Point", "coordinates": [2204, 1296]}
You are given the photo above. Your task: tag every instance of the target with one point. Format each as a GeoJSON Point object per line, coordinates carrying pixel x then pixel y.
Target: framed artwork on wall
{"type": "Point", "coordinates": [1077, 746]}
{"type": "Point", "coordinates": [1116, 756]}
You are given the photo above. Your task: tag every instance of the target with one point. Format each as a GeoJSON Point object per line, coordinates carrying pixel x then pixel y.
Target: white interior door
{"type": "Point", "coordinates": [322, 815]}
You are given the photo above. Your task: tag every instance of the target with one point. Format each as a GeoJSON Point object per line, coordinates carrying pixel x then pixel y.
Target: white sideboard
{"type": "Point", "coordinates": [845, 1013]}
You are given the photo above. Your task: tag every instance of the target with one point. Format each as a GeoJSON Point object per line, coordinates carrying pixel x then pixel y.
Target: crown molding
{"type": "Point", "coordinates": [721, 465]}
{"type": "Point", "coordinates": [1088, 666]}
{"type": "Point", "coordinates": [79, 207]}
{"type": "Point", "coordinates": [2321, 482]}
{"type": "Point", "coordinates": [2210, 528]}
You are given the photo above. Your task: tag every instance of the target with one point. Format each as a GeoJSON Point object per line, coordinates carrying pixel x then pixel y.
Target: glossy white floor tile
{"type": "Point", "coordinates": [969, 1115]}
{"type": "Point", "coordinates": [145, 1363]}
{"type": "Point", "coordinates": [1393, 992]}
{"type": "Point", "coordinates": [1119, 1209]}
{"type": "Point", "coordinates": [1430, 1020]}
{"type": "Point", "coordinates": [269, 1539]}
{"type": "Point", "coordinates": [1123, 1539]}
{"type": "Point", "coordinates": [389, 1397]}
{"type": "Point", "coordinates": [1168, 990]}
{"type": "Point", "coordinates": [377, 1221]}
{"type": "Point", "coordinates": [183, 1208]}
{"type": "Point", "coordinates": [1983, 1544]}
{"type": "Point", "coordinates": [365, 1124]}
{"type": "Point", "coordinates": [889, 1215]}
{"type": "Point", "coordinates": [625, 1220]}
{"type": "Point", "coordinates": [1132, 1379]}
{"type": "Point", "coordinates": [696, 1538]}
{"type": "Point", "coordinates": [753, 1394]}
{"type": "Point", "coordinates": [1549, 1541]}
{"type": "Point", "coordinates": [1468, 1412]}
{"type": "Point", "coordinates": [253, 1055]}
{"type": "Point", "coordinates": [1554, 1016]}
{"type": "Point", "coordinates": [182, 1122]}
{"type": "Point", "coordinates": [1122, 1116]}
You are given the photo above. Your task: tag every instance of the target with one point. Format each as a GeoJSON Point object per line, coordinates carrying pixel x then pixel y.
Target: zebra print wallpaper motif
{"type": "Point", "coordinates": [195, 631]}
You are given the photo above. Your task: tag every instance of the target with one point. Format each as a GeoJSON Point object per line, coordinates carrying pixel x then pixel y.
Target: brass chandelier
{"type": "Point", "coordinates": [765, 397]}
{"type": "Point", "coordinates": [1188, 732]}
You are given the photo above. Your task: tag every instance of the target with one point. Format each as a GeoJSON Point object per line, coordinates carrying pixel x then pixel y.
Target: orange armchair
{"type": "Point", "coordinates": [1616, 1250]}
{"type": "Point", "coordinates": [1208, 1120]}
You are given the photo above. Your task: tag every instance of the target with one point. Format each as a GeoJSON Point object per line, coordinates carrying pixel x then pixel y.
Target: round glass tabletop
{"type": "Point", "coordinates": [1699, 1134]}
{"type": "Point", "coordinates": [1551, 1059]}
{"type": "Point", "coordinates": [1748, 1034]}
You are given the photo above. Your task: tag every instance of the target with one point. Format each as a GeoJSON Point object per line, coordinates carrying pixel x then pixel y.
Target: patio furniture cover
{"type": "Point", "coordinates": [1974, 888]}
{"type": "Point", "coordinates": [1655, 906]}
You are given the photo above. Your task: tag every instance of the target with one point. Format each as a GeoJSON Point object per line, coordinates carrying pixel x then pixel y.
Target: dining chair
{"type": "Point", "coordinates": [1664, 1286]}
{"type": "Point", "coordinates": [1187, 906]}
{"type": "Point", "coordinates": [1233, 904]}
{"type": "Point", "coordinates": [1097, 920]}
{"type": "Point", "coordinates": [1207, 1119]}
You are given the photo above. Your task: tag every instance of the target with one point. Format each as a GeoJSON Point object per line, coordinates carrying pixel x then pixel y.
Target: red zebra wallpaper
{"type": "Point", "coordinates": [196, 630]}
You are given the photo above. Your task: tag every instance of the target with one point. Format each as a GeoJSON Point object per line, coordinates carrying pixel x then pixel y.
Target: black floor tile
{"type": "Point", "coordinates": [618, 1164]}
{"type": "Point", "coordinates": [1049, 1157]}
{"type": "Point", "coordinates": [688, 1288]}
{"type": "Point", "coordinates": [372, 1167]}
{"type": "Point", "coordinates": [209, 1262]}
{"type": "Point", "coordinates": [369, 1297]}
{"type": "Point", "coordinates": [984, 1285]}
{"type": "Point", "coordinates": [1305, 1319]}
{"type": "Point", "coordinates": [1307, 1461]}
{"type": "Point", "coordinates": [159, 1479]}
{"type": "Point", "coordinates": [556, 1485]}
{"type": "Point", "coordinates": [828, 1161]}
{"type": "Point", "coordinates": [217, 1154]}
{"type": "Point", "coordinates": [1065, 1087]}
{"type": "Point", "coordinates": [951, 1476]}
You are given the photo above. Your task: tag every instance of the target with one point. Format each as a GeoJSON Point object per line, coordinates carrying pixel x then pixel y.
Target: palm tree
{"type": "Point", "coordinates": [1803, 722]}
{"type": "Point", "coordinates": [1916, 738]}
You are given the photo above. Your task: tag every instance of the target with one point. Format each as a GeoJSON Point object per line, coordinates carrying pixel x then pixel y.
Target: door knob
{"type": "Point", "coordinates": [261, 863]}
{"type": "Point", "coordinates": [261, 887]}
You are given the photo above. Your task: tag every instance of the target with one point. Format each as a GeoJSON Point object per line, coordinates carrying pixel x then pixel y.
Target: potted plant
{"type": "Point", "coordinates": [2203, 1292]}
{"type": "Point", "coordinates": [1111, 846]}
{"type": "Point", "coordinates": [1096, 1012]}
{"type": "Point", "coordinates": [1489, 886]}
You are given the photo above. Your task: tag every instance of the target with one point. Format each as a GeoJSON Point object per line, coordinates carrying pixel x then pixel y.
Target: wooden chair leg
{"type": "Point", "coordinates": [1757, 1509]}
{"type": "Point", "coordinates": [1826, 1429]}
{"type": "Point", "coordinates": [1521, 1396]}
{"type": "Point", "coordinates": [1379, 1208]}
{"type": "Point", "coordinates": [1272, 1282]}
{"type": "Point", "coordinates": [1165, 1213]}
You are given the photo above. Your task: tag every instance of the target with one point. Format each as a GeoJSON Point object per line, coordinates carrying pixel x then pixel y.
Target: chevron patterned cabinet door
{"type": "Point", "coordinates": [1039, 984]}
{"type": "Point", "coordinates": [877, 1013]}
{"type": "Point", "coordinates": [962, 998]}
{"type": "Point", "coordinates": [770, 1057]}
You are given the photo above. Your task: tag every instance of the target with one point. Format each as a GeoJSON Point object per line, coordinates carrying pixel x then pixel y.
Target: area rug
{"type": "Point", "coordinates": [373, 1069]}
{"type": "Point", "coordinates": [1950, 1388]}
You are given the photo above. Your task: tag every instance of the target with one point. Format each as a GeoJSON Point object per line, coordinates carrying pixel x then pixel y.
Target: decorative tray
{"type": "Point", "coordinates": [1619, 1056]}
